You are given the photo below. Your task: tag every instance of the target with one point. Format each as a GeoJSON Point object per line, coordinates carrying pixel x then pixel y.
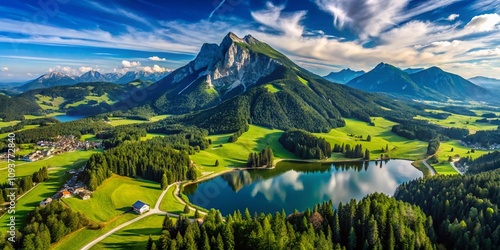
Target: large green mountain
{"type": "Point", "coordinates": [429, 84]}
{"type": "Point", "coordinates": [244, 80]}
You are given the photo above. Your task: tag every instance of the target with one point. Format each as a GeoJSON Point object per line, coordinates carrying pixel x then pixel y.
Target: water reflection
{"type": "Point", "coordinates": [297, 185]}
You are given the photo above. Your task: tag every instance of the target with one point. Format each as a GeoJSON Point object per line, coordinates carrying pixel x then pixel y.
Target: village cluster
{"type": "Point", "coordinates": [61, 145]}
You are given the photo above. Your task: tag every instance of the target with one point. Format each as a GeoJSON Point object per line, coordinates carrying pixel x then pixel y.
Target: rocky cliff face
{"type": "Point", "coordinates": [229, 65]}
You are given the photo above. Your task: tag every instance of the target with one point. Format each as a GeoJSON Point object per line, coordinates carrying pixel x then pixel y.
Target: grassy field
{"type": "Point", "coordinates": [7, 124]}
{"type": "Point", "coordinates": [460, 121]}
{"type": "Point", "coordinates": [171, 204]}
{"type": "Point", "coordinates": [58, 161]}
{"type": "Point", "coordinates": [136, 235]}
{"type": "Point", "coordinates": [78, 239]}
{"type": "Point", "coordinates": [236, 154]}
{"type": "Point", "coordinates": [444, 167]}
{"type": "Point", "coordinates": [116, 196]}
{"type": "Point", "coordinates": [57, 177]}
{"type": "Point", "coordinates": [271, 88]}
{"type": "Point", "coordinates": [381, 135]}
{"type": "Point", "coordinates": [117, 121]}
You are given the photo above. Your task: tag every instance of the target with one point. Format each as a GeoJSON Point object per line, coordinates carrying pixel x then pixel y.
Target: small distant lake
{"type": "Point", "coordinates": [68, 118]}
{"type": "Point", "coordinates": [293, 185]}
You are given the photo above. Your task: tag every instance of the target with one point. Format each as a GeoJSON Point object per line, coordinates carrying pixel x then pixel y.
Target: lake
{"type": "Point", "coordinates": [293, 185]}
{"type": "Point", "coordinates": [68, 118]}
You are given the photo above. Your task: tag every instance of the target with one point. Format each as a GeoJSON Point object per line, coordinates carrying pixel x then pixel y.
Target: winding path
{"type": "Point", "coordinates": [153, 211]}
{"type": "Point", "coordinates": [431, 169]}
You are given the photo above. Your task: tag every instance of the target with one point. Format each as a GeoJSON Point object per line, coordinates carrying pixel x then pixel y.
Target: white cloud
{"type": "Point", "coordinates": [155, 69]}
{"type": "Point", "coordinates": [85, 69]}
{"type": "Point", "coordinates": [129, 64]}
{"type": "Point", "coordinates": [485, 52]}
{"type": "Point", "coordinates": [156, 58]}
{"type": "Point", "coordinates": [452, 17]}
{"type": "Point", "coordinates": [5, 69]}
{"type": "Point", "coordinates": [273, 17]}
{"type": "Point", "coordinates": [370, 18]}
{"type": "Point", "coordinates": [486, 22]}
{"type": "Point", "coordinates": [65, 69]}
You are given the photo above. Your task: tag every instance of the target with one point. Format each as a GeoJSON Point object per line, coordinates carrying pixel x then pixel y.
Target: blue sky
{"type": "Point", "coordinates": [74, 36]}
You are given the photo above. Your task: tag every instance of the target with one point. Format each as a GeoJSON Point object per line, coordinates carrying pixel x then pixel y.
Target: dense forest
{"type": "Point", "coordinates": [76, 128]}
{"type": "Point", "coordinates": [14, 108]}
{"type": "Point", "coordinates": [376, 222]}
{"type": "Point", "coordinates": [484, 138]}
{"type": "Point", "coordinates": [352, 152]}
{"type": "Point", "coordinates": [305, 145]}
{"type": "Point", "coordinates": [464, 209]}
{"type": "Point", "coordinates": [424, 131]}
{"type": "Point", "coordinates": [264, 158]}
{"type": "Point", "coordinates": [46, 225]}
{"type": "Point", "coordinates": [149, 160]}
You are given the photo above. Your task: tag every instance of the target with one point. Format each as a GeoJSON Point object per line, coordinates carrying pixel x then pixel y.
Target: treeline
{"type": "Point", "coordinates": [76, 128]}
{"type": "Point", "coordinates": [459, 110]}
{"type": "Point", "coordinates": [118, 135]}
{"type": "Point", "coordinates": [14, 108]}
{"type": "Point", "coordinates": [264, 158]}
{"type": "Point", "coordinates": [305, 145]}
{"type": "Point", "coordinates": [352, 152]}
{"type": "Point", "coordinates": [464, 208]}
{"type": "Point", "coordinates": [23, 184]}
{"type": "Point", "coordinates": [376, 222]}
{"type": "Point", "coordinates": [485, 138]}
{"type": "Point", "coordinates": [148, 160]}
{"type": "Point", "coordinates": [46, 225]}
{"type": "Point", "coordinates": [486, 162]}
{"type": "Point", "coordinates": [39, 121]}
{"type": "Point", "coordinates": [424, 131]}
{"type": "Point", "coordinates": [234, 137]}
{"type": "Point", "coordinates": [433, 146]}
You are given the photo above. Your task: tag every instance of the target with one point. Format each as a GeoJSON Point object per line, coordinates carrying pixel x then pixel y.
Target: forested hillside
{"type": "Point", "coordinates": [464, 209]}
{"type": "Point", "coordinates": [148, 160]}
{"type": "Point", "coordinates": [376, 222]}
{"type": "Point", "coordinates": [305, 145]}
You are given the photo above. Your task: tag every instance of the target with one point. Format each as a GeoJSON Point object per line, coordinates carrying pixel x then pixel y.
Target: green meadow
{"type": "Point", "coordinates": [171, 204]}
{"type": "Point", "coordinates": [459, 121]}
{"type": "Point", "coordinates": [381, 136]}
{"type": "Point", "coordinates": [137, 234]}
{"type": "Point", "coordinates": [116, 196]}
{"type": "Point", "coordinates": [236, 154]}
{"type": "Point", "coordinates": [57, 177]}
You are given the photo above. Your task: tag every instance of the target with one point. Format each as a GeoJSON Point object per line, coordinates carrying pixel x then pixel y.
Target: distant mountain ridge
{"type": "Point", "coordinates": [243, 80]}
{"type": "Point", "coordinates": [428, 84]}
{"type": "Point", "coordinates": [54, 79]}
{"type": "Point", "coordinates": [343, 76]}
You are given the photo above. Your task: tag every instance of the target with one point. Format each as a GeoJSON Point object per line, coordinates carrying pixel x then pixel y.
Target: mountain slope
{"type": "Point", "coordinates": [451, 85]}
{"type": "Point", "coordinates": [14, 108]}
{"type": "Point", "coordinates": [429, 84]}
{"type": "Point", "coordinates": [385, 78]}
{"type": "Point", "coordinates": [343, 76]}
{"type": "Point", "coordinates": [51, 79]}
{"type": "Point", "coordinates": [490, 84]}
{"type": "Point", "coordinates": [243, 80]}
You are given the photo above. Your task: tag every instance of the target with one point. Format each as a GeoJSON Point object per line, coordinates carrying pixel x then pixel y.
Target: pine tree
{"type": "Point", "coordinates": [369, 138]}
{"type": "Point", "coordinates": [186, 209]}
{"type": "Point", "coordinates": [164, 182]}
{"type": "Point", "coordinates": [216, 163]}
{"type": "Point", "coordinates": [197, 214]}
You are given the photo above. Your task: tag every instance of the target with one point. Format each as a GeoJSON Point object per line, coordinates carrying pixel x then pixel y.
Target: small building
{"type": "Point", "coordinates": [46, 201]}
{"type": "Point", "coordinates": [65, 194]}
{"type": "Point", "coordinates": [140, 207]}
{"type": "Point", "coordinates": [85, 195]}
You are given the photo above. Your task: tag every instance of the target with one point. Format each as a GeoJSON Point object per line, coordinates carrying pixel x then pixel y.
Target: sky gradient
{"type": "Point", "coordinates": [70, 36]}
